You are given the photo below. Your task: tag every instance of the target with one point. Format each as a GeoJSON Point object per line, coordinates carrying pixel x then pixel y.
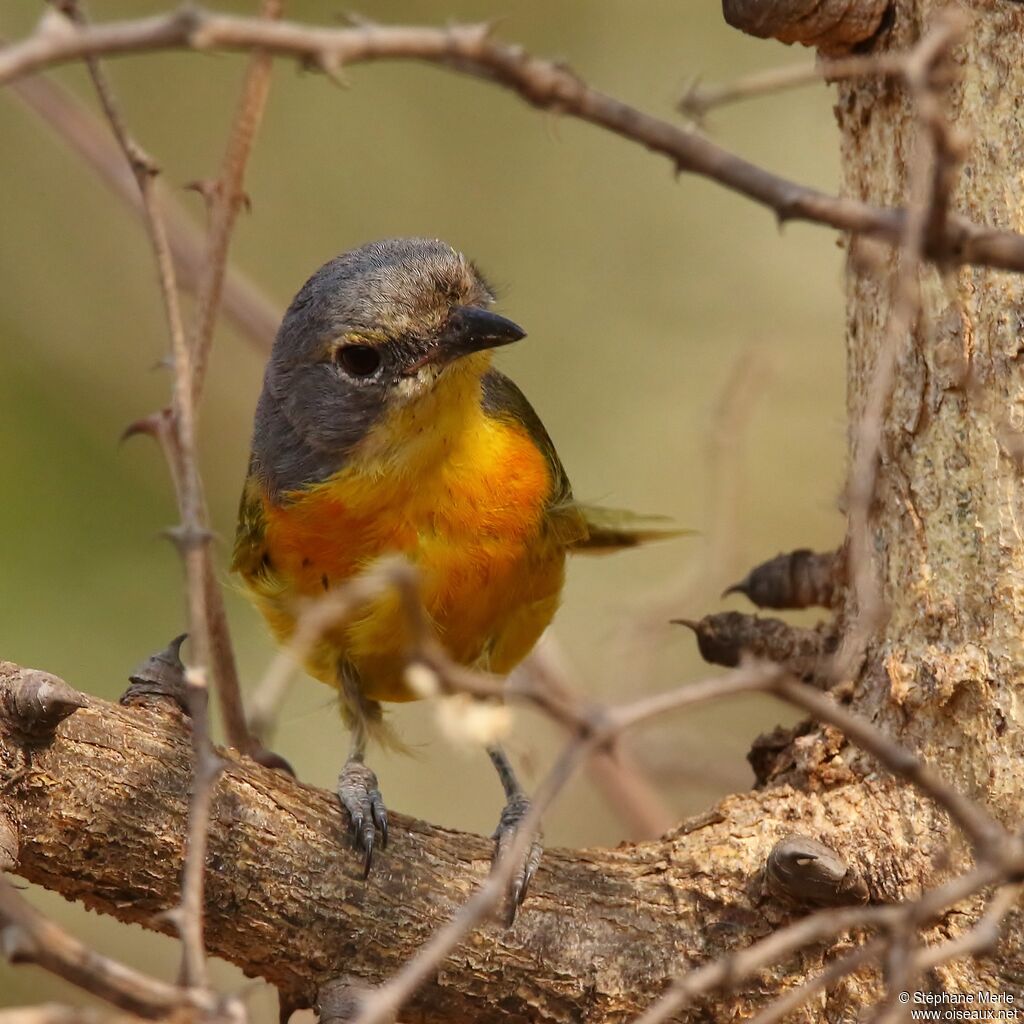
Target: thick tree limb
{"type": "Point", "coordinates": [102, 817]}
{"type": "Point", "coordinates": [544, 84]}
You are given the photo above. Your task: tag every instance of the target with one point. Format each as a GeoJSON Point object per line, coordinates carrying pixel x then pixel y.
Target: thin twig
{"type": "Point", "coordinates": [228, 197]}
{"type": "Point", "coordinates": [699, 98]}
{"type": "Point", "coordinates": [796, 997]}
{"type": "Point", "coordinates": [622, 781]}
{"type": "Point", "coordinates": [824, 925]}
{"type": "Point", "coordinates": [192, 536]}
{"type": "Point", "coordinates": [382, 1004]}
{"type": "Point", "coordinates": [28, 937]}
{"type": "Point", "coordinates": [547, 85]}
{"type": "Point", "coordinates": [314, 619]}
{"type": "Point", "coordinates": [979, 939]}
{"type": "Point", "coordinates": [188, 916]}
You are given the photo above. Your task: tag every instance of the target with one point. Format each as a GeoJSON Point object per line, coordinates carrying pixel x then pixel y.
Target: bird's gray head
{"type": "Point", "coordinates": [375, 329]}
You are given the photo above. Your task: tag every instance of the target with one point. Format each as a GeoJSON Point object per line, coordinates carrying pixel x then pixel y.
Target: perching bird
{"type": "Point", "coordinates": [381, 429]}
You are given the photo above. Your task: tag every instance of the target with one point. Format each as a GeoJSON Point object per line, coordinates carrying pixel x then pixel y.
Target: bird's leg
{"type": "Point", "coordinates": [517, 804]}
{"type": "Point", "coordinates": [359, 793]}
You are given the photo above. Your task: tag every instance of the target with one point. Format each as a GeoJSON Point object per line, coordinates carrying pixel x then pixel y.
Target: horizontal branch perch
{"type": "Point", "coordinates": [101, 815]}
{"type": "Point", "coordinates": [545, 84]}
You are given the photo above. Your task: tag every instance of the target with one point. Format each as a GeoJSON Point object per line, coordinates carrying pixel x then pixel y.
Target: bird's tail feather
{"type": "Point", "coordinates": [610, 529]}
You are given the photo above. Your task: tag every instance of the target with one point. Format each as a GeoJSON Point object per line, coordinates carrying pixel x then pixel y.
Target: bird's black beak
{"type": "Point", "coordinates": [472, 329]}
{"type": "Point", "coordinates": [468, 329]}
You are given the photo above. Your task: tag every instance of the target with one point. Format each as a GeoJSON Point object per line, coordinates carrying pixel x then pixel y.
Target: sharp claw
{"type": "Point", "coordinates": [510, 915]}
{"type": "Point", "coordinates": [527, 881]}
{"type": "Point", "coordinates": [367, 853]}
{"type": "Point", "coordinates": [380, 818]}
{"type": "Point", "coordinates": [517, 893]}
{"type": "Point", "coordinates": [356, 825]}
{"type": "Point", "coordinates": [357, 791]}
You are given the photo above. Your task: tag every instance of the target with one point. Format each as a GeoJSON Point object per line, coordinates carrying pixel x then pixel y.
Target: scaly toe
{"type": "Point", "coordinates": [504, 835]}
{"type": "Point", "coordinates": [359, 795]}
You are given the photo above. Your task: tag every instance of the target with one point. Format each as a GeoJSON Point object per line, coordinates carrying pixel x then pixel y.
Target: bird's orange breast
{"type": "Point", "coordinates": [466, 501]}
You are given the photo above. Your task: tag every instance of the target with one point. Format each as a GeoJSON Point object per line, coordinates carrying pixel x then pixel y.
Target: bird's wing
{"type": "Point", "coordinates": [250, 554]}
{"type": "Point", "coordinates": [503, 400]}
{"type": "Point", "coordinates": [585, 528]}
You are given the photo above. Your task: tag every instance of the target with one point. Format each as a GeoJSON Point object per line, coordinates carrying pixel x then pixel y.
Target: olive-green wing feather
{"type": "Point", "coordinates": [250, 554]}
{"type": "Point", "coordinates": [585, 528]}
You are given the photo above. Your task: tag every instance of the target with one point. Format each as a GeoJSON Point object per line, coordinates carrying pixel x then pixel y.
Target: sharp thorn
{"type": "Point", "coordinates": [689, 623]}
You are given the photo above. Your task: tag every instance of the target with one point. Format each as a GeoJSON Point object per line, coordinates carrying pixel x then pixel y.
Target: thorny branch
{"type": "Point", "coordinates": [550, 86]}
{"type": "Point", "coordinates": [226, 196]}
{"type": "Point", "coordinates": [192, 536]}
{"type": "Point", "coordinates": [699, 99]}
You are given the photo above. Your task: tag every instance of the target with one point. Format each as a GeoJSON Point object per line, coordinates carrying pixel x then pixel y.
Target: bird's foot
{"type": "Point", "coordinates": [509, 826]}
{"type": "Point", "coordinates": [359, 795]}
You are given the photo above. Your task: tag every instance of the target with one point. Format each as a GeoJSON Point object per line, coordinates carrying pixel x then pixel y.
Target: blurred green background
{"type": "Point", "coordinates": [641, 294]}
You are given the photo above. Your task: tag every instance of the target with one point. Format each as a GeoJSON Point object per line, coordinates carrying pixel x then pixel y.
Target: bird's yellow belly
{"type": "Point", "coordinates": [490, 570]}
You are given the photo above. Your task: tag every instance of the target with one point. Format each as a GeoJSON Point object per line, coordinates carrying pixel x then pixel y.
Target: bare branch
{"type": "Point", "coordinates": [27, 937]}
{"type": "Point", "coordinates": [796, 997]}
{"type": "Point", "coordinates": [550, 86]}
{"type": "Point", "coordinates": [622, 781]}
{"type": "Point", "coordinates": [283, 841]}
{"type": "Point", "coordinates": [206, 767]}
{"type": "Point", "coordinates": [315, 618]}
{"type": "Point", "coordinates": [228, 197]}
{"type": "Point", "coordinates": [192, 537]}
{"type": "Point", "coordinates": [699, 99]}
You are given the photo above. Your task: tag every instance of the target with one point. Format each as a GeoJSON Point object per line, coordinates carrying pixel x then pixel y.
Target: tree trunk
{"type": "Point", "coordinates": [944, 677]}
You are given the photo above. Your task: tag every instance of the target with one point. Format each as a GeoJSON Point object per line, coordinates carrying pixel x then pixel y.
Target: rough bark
{"type": "Point", "coordinates": [101, 819]}
{"type": "Point", "coordinates": [945, 676]}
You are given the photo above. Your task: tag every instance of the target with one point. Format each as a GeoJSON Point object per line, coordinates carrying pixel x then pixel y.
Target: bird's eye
{"type": "Point", "coordinates": [359, 360]}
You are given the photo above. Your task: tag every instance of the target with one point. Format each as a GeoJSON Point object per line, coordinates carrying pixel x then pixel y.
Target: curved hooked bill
{"type": "Point", "coordinates": [467, 330]}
